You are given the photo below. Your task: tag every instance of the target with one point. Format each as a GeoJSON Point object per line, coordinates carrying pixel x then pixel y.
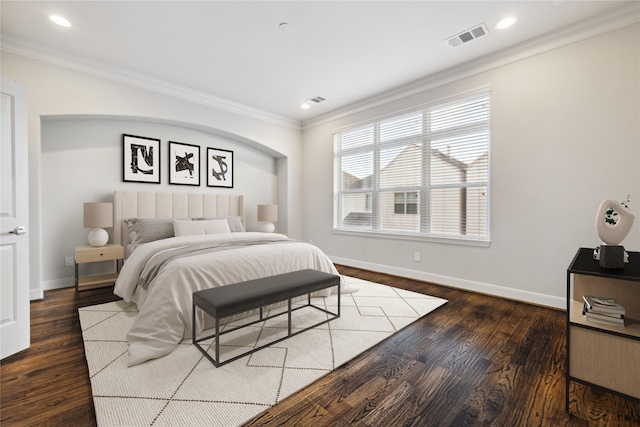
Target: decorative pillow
{"type": "Point", "coordinates": [235, 224]}
{"type": "Point", "coordinates": [192, 228]}
{"type": "Point", "coordinates": [145, 230]}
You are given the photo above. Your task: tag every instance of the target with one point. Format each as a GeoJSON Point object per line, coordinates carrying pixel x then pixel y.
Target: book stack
{"type": "Point", "coordinates": [603, 310]}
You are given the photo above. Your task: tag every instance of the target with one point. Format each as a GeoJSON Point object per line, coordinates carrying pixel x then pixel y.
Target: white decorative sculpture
{"type": "Point", "coordinates": [613, 234]}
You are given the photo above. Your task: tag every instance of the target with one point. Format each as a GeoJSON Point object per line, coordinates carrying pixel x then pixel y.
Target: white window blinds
{"type": "Point", "coordinates": [423, 173]}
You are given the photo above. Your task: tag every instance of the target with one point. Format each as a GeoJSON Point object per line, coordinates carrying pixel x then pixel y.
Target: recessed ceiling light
{"type": "Point", "coordinates": [60, 20]}
{"type": "Point", "coordinates": [506, 23]}
{"type": "Point", "coordinates": [305, 105]}
{"type": "Point", "coordinates": [284, 26]}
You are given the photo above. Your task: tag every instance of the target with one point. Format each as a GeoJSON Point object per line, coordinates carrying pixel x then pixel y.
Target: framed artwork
{"type": "Point", "coordinates": [219, 168]}
{"type": "Point", "coordinates": [184, 164]}
{"type": "Point", "coordinates": [140, 159]}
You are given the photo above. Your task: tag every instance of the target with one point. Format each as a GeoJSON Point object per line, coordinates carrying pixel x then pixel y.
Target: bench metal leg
{"type": "Point", "coordinates": [193, 322]}
{"type": "Point", "coordinates": [289, 316]}
{"type": "Point", "coordinates": [196, 341]}
{"type": "Point", "coordinates": [216, 362]}
{"type": "Point", "coordinates": [339, 300]}
{"type": "Point", "coordinates": [217, 343]}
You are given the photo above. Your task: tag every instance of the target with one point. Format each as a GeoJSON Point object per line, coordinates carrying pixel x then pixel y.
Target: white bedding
{"type": "Point", "coordinates": [164, 317]}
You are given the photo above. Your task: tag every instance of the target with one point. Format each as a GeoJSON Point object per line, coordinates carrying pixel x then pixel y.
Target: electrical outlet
{"type": "Point", "coordinates": [68, 261]}
{"type": "Point", "coordinates": [416, 256]}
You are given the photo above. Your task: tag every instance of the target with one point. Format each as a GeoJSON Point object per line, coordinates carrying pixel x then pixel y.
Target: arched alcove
{"type": "Point", "coordinates": [81, 160]}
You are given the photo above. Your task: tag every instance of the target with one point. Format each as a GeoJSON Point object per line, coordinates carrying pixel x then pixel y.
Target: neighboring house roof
{"type": "Point", "coordinates": [352, 182]}
{"type": "Point", "coordinates": [449, 159]}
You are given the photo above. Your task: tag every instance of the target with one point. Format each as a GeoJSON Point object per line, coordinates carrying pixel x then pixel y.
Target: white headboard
{"type": "Point", "coordinates": [138, 204]}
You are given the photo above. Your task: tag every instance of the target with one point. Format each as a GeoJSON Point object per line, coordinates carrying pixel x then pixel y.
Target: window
{"type": "Point", "coordinates": [406, 203]}
{"type": "Point", "coordinates": [424, 173]}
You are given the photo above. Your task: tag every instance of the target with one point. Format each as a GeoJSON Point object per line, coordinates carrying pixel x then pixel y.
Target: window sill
{"type": "Point", "coordinates": [417, 238]}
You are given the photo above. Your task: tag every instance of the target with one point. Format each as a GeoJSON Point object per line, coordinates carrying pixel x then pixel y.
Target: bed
{"type": "Point", "coordinates": [179, 243]}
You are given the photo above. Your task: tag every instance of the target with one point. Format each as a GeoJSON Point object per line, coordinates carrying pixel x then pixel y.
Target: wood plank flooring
{"type": "Point", "coordinates": [476, 361]}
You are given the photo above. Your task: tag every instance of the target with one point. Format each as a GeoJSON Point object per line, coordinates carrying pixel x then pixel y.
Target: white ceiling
{"type": "Point", "coordinates": [234, 50]}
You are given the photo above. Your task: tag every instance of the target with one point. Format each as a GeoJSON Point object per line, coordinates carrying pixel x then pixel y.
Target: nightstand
{"type": "Point", "coordinates": [85, 254]}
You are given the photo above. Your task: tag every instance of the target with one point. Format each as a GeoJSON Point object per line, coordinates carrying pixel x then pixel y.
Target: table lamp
{"type": "Point", "coordinates": [98, 216]}
{"type": "Point", "coordinates": [267, 214]}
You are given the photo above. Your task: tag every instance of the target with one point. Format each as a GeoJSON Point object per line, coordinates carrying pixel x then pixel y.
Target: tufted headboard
{"type": "Point", "coordinates": [138, 204]}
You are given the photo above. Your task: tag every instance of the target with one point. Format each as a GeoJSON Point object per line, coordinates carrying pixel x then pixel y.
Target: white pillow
{"type": "Point", "coordinates": [192, 228]}
{"type": "Point", "coordinates": [215, 226]}
{"type": "Point", "coordinates": [235, 223]}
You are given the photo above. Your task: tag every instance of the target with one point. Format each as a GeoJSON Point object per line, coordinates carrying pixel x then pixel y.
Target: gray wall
{"type": "Point", "coordinates": [565, 136]}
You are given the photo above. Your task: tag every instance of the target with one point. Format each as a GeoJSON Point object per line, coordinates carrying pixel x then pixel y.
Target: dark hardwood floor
{"type": "Point", "coordinates": [476, 361]}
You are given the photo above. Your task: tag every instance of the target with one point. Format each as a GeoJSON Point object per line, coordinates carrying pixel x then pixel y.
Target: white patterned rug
{"type": "Point", "coordinates": [183, 388]}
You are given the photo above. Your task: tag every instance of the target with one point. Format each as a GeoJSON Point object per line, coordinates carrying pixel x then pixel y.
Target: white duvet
{"type": "Point", "coordinates": [165, 308]}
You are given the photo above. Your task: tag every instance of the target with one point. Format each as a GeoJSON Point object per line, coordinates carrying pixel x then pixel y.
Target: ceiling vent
{"type": "Point", "coordinates": [312, 101]}
{"type": "Point", "coordinates": [467, 36]}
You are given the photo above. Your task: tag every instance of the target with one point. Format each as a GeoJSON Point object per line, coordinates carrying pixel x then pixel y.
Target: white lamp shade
{"type": "Point", "coordinates": [98, 215]}
{"type": "Point", "coordinates": [267, 213]}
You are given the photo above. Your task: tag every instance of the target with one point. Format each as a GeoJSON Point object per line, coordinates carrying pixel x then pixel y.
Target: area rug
{"type": "Point", "coordinates": [183, 388]}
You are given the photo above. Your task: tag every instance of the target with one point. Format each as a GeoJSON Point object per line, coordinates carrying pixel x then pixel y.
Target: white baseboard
{"type": "Point", "coordinates": [469, 285]}
{"type": "Point", "coordinates": [46, 285]}
{"type": "Point", "coordinates": [36, 294]}
{"type": "Point", "coordinates": [66, 282]}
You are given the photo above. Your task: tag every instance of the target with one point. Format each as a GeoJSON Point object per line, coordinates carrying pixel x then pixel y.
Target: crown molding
{"type": "Point", "coordinates": [122, 75]}
{"type": "Point", "coordinates": [614, 20]}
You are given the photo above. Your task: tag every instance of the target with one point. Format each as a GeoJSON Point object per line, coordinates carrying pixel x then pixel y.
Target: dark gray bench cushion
{"type": "Point", "coordinates": [233, 299]}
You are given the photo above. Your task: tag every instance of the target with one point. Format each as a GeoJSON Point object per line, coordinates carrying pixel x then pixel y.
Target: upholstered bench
{"type": "Point", "coordinates": [237, 298]}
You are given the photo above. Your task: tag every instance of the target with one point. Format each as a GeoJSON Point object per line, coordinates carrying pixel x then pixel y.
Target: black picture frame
{"type": "Point", "coordinates": [219, 168]}
{"type": "Point", "coordinates": [184, 164]}
{"type": "Point", "coordinates": [140, 159]}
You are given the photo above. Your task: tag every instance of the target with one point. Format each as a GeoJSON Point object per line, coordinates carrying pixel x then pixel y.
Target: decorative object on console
{"type": "Point", "coordinates": [219, 168]}
{"type": "Point", "coordinates": [140, 159]}
{"type": "Point", "coordinates": [98, 216]}
{"type": "Point", "coordinates": [267, 214]}
{"type": "Point", "coordinates": [184, 164]}
{"type": "Point", "coordinates": [612, 225]}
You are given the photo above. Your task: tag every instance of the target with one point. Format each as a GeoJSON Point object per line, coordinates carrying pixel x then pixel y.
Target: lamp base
{"type": "Point", "coordinates": [267, 227]}
{"type": "Point", "coordinates": [98, 237]}
{"type": "Point", "coordinates": [612, 256]}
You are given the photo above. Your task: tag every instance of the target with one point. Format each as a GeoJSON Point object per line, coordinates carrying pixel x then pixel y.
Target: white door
{"type": "Point", "coordinates": [14, 220]}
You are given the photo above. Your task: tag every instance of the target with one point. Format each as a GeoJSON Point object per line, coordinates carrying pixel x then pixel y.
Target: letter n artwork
{"type": "Point", "coordinates": [219, 168]}
{"type": "Point", "coordinates": [140, 159]}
